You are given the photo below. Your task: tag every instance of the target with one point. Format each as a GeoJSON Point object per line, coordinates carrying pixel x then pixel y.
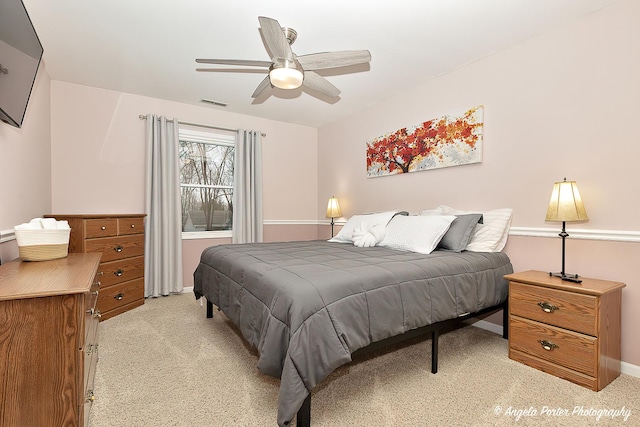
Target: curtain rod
{"type": "Point", "coordinates": [143, 117]}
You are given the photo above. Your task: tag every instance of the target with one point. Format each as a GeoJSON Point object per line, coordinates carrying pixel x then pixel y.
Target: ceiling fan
{"type": "Point", "coordinates": [288, 70]}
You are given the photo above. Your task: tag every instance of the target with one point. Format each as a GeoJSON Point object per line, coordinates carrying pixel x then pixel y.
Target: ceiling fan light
{"type": "Point", "coordinates": [286, 75]}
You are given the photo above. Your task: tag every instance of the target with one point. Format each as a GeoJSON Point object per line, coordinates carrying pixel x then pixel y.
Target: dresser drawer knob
{"type": "Point", "coordinates": [97, 314]}
{"type": "Point", "coordinates": [548, 308]}
{"type": "Point", "coordinates": [118, 248]}
{"type": "Point", "coordinates": [119, 296]}
{"type": "Point", "coordinates": [133, 226]}
{"type": "Point", "coordinates": [118, 273]}
{"type": "Point", "coordinates": [547, 345]}
{"type": "Point", "coordinates": [103, 228]}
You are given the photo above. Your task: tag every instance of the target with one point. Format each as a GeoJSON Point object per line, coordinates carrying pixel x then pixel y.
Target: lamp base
{"type": "Point", "coordinates": [568, 277]}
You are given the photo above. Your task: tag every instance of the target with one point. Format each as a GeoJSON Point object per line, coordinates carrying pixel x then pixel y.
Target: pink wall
{"type": "Point", "coordinates": [97, 161]}
{"type": "Point", "coordinates": [563, 104]}
{"type": "Point", "coordinates": [25, 160]}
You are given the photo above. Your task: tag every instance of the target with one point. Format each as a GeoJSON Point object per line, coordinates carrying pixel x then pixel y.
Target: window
{"type": "Point", "coordinates": [206, 182]}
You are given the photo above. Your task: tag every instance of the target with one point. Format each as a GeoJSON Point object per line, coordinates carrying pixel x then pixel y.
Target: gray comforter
{"type": "Point", "coordinates": [306, 306]}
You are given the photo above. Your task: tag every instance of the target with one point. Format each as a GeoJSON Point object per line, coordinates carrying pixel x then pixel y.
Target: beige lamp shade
{"type": "Point", "coordinates": [566, 204]}
{"type": "Point", "coordinates": [333, 208]}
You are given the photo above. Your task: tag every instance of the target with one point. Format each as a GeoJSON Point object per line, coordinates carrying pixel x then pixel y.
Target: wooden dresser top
{"type": "Point", "coordinates": [31, 279]}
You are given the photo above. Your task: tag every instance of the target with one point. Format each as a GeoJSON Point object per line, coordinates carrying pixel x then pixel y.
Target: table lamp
{"type": "Point", "coordinates": [566, 206]}
{"type": "Point", "coordinates": [333, 211]}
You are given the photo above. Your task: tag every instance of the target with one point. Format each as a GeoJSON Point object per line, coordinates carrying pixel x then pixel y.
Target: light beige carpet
{"type": "Point", "coordinates": [165, 364]}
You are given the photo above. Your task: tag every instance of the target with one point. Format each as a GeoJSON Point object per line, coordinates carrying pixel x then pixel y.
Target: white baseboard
{"type": "Point", "coordinates": [629, 369]}
{"type": "Point", "coordinates": [625, 368]}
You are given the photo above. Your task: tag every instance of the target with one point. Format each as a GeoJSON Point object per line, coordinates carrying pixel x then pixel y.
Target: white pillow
{"type": "Point", "coordinates": [345, 235]}
{"type": "Point", "coordinates": [491, 235]}
{"type": "Point", "coordinates": [416, 233]}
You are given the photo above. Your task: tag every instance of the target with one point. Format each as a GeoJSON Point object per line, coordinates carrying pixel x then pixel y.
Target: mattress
{"type": "Point", "coordinates": [307, 306]}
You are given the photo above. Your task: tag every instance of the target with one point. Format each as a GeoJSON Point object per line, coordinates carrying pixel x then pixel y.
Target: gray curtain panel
{"type": "Point", "coordinates": [247, 188]}
{"type": "Point", "coordinates": [163, 226]}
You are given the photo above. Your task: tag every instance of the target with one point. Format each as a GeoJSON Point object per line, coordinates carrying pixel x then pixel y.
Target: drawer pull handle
{"type": "Point", "coordinates": [133, 226]}
{"type": "Point", "coordinates": [119, 296]}
{"type": "Point", "coordinates": [118, 273]}
{"type": "Point", "coordinates": [90, 396]}
{"type": "Point", "coordinates": [91, 311]}
{"type": "Point", "coordinates": [548, 308]}
{"type": "Point", "coordinates": [118, 248]}
{"type": "Point", "coordinates": [103, 228]}
{"type": "Point", "coordinates": [547, 345]}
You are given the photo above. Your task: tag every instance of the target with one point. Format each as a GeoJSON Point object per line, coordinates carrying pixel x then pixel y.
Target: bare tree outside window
{"type": "Point", "coordinates": [206, 181]}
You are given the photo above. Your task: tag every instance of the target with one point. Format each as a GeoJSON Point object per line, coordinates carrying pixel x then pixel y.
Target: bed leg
{"type": "Point", "coordinates": [434, 351]}
{"type": "Point", "coordinates": [209, 309]}
{"type": "Point", "coordinates": [303, 418]}
{"type": "Point", "coordinates": [505, 320]}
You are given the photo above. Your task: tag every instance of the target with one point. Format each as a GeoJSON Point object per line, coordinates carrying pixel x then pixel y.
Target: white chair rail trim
{"type": "Point", "coordinates": [608, 235]}
{"type": "Point", "coordinates": [575, 233]}
{"type": "Point", "coordinates": [6, 235]}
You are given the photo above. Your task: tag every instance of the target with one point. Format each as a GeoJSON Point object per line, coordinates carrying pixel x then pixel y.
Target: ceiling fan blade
{"type": "Point", "coordinates": [323, 60]}
{"type": "Point", "coordinates": [247, 62]}
{"type": "Point", "coordinates": [264, 85]}
{"type": "Point", "coordinates": [318, 83]}
{"type": "Point", "coordinates": [275, 39]}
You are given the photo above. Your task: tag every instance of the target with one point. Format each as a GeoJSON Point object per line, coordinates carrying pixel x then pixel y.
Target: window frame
{"type": "Point", "coordinates": [213, 137]}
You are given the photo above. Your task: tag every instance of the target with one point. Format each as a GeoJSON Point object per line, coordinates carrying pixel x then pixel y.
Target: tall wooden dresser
{"type": "Point", "coordinates": [48, 341]}
{"type": "Point", "coordinates": [120, 240]}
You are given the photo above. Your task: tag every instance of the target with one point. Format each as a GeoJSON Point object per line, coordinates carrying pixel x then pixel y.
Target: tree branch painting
{"type": "Point", "coordinates": [437, 143]}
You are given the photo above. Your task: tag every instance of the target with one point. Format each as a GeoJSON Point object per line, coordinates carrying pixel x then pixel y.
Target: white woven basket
{"type": "Point", "coordinates": [42, 245]}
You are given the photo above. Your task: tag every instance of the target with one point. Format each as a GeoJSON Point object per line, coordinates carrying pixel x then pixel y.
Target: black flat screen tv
{"type": "Point", "coordinates": [20, 56]}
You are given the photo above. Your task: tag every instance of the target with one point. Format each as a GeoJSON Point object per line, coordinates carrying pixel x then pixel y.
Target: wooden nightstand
{"type": "Point", "coordinates": [570, 330]}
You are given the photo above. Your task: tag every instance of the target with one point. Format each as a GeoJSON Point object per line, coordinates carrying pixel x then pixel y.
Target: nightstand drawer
{"type": "Point", "coordinates": [569, 310]}
{"type": "Point", "coordinates": [559, 346]}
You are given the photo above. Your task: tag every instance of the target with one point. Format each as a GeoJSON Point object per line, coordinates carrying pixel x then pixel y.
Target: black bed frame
{"type": "Point", "coordinates": [303, 417]}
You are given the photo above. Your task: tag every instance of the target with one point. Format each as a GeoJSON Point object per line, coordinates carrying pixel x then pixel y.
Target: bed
{"type": "Point", "coordinates": [308, 306]}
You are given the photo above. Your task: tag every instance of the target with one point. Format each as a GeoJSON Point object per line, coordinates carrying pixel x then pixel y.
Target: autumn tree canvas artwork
{"type": "Point", "coordinates": [437, 143]}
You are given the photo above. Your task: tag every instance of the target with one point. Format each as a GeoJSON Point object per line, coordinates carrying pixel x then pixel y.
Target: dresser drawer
{"type": "Point", "coordinates": [115, 248]}
{"type": "Point", "coordinates": [121, 294]}
{"type": "Point", "coordinates": [569, 310]}
{"type": "Point", "coordinates": [102, 227]}
{"type": "Point", "coordinates": [130, 226]}
{"type": "Point", "coordinates": [91, 318]}
{"type": "Point", "coordinates": [124, 270]}
{"type": "Point", "coordinates": [561, 347]}
{"type": "Point", "coordinates": [90, 353]}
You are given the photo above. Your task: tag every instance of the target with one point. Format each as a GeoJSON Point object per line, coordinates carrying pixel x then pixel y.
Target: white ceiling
{"type": "Point", "coordinates": [148, 47]}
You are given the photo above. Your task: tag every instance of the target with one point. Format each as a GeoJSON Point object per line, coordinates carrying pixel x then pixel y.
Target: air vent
{"type": "Point", "coordinates": [210, 101]}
